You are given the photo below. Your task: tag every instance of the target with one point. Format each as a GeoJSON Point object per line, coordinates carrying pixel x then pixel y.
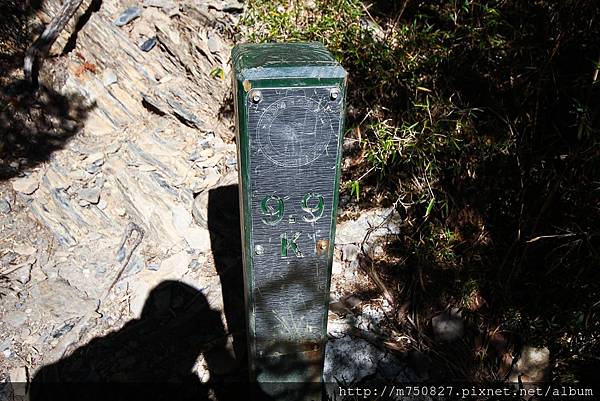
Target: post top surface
{"type": "Point", "coordinates": [281, 60]}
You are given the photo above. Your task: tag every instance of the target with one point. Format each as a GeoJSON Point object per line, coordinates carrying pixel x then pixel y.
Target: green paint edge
{"type": "Point", "coordinates": [243, 149]}
{"type": "Point", "coordinates": [299, 77]}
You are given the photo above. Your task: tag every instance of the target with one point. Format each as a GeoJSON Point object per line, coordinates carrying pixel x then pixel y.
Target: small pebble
{"type": "Point", "coordinates": [194, 264]}
{"type": "Point", "coordinates": [213, 43]}
{"type": "Point", "coordinates": [92, 168]}
{"type": "Point", "coordinates": [153, 266]}
{"type": "Point", "coordinates": [9, 258]}
{"type": "Point", "coordinates": [91, 195]}
{"type": "Point", "coordinates": [7, 353]}
{"type": "Point", "coordinates": [148, 44]}
{"type": "Point", "coordinates": [109, 77]}
{"type": "Point", "coordinates": [128, 15]}
{"type": "Point", "coordinates": [4, 206]}
{"type": "Point", "coordinates": [195, 155]}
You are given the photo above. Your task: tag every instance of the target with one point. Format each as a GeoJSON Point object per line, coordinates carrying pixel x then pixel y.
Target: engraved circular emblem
{"type": "Point", "coordinates": [294, 131]}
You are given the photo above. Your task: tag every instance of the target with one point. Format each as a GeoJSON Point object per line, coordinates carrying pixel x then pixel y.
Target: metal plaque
{"type": "Point", "coordinates": [289, 151]}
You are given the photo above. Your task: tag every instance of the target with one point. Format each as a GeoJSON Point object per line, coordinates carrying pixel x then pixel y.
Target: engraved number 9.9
{"type": "Point", "coordinates": [313, 205]}
{"type": "Point", "coordinates": [271, 208]}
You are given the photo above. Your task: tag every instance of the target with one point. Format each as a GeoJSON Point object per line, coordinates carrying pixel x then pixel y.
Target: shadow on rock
{"type": "Point", "coordinates": [224, 226]}
{"type": "Point", "coordinates": [155, 357]}
{"type": "Point", "coordinates": [33, 124]}
{"type": "Point", "coordinates": [34, 121]}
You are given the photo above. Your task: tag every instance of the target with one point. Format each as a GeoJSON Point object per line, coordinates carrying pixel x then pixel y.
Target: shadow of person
{"type": "Point", "coordinates": [150, 358]}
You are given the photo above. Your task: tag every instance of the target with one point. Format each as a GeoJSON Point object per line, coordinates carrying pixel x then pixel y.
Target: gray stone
{"type": "Point", "coordinates": [532, 366]}
{"type": "Point", "coordinates": [195, 264]}
{"type": "Point", "coordinates": [91, 195]}
{"type": "Point", "coordinates": [4, 206]}
{"type": "Point", "coordinates": [79, 175]}
{"type": "Point", "coordinates": [93, 168]}
{"type": "Point", "coordinates": [448, 326]}
{"type": "Point", "coordinates": [381, 222]}
{"type": "Point", "coordinates": [153, 266]}
{"type": "Point", "coordinates": [23, 275]}
{"type": "Point", "coordinates": [350, 252]}
{"type": "Point", "coordinates": [370, 319]}
{"type": "Point", "coordinates": [208, 141]}
{"type": "Point", "coordinates": [233, 7]}
{"type": "Point", "coordinates": [352, 301]}
{"type": "Point", "coordinates": [349, 359]}
{"type": "Point", "coordinates": [128, 15]}
{"type": "Point", "coordinates": [195, 155]}
{"type": "Point", "coordinates": [231, 161]}
{"type": "Point", "coordinates": [9, 258]}
{"type": "Point", "coordinates": [214, 45]}
{"type": "Point", "coordinates": [109, 77]}
{"type": "Point", "coordinates": [148, 44]}
{"type": "Point", "coordinates": [26, 185]}
{"type": "Point", "coordinates": [58, 299]}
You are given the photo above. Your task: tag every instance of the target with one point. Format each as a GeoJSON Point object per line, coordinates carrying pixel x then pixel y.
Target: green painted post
{"type": "Point", "coordinates": [289, 103]}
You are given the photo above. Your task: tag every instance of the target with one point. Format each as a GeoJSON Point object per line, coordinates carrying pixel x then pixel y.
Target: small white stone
{"type": "Point", "coordinates": [102, 204]}
{"type": "Point", "coordinates": [26, 185]}
{"type": "Point", "coordinates": [109, 77]}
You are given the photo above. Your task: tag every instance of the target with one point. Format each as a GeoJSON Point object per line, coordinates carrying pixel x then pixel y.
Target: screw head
{"type": "Point", "coordinates": [334, 93]}
{"type": "Point", "coordinates": [256, 96]}
{"type": "Point", "coordinates": [259, 250]}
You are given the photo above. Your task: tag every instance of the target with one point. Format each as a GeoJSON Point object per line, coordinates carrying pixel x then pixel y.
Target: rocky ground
{"type": "Point", "coordinates": [121, 205]}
